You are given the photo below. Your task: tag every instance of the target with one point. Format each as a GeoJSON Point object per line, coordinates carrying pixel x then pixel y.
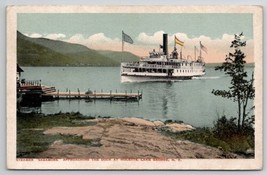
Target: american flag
{"type": "Point", "coordinates": [202, 47]}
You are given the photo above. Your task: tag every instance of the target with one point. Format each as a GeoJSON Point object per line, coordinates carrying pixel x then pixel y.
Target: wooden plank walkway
{"type": "Point", "coordinates": [95, 95]}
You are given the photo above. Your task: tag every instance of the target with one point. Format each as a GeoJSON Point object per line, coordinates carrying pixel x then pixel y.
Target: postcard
{"type": "Point", "coordinates": [134, 87]}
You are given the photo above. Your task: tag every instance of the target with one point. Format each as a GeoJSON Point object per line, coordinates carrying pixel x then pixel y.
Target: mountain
{"type": "Point", "coordinates": [47, 52]}
{"type": "Point", "coordinates": [119, 56]}
{"type": "Point", "coordinates": [31, 54]}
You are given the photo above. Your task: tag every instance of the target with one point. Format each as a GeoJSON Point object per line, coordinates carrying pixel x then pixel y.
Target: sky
{"type": "Point", "coordinates": [102, 31]}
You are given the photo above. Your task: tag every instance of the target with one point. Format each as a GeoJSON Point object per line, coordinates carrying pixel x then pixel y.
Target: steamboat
{"type": "Point", "coordinates": [161, 66]}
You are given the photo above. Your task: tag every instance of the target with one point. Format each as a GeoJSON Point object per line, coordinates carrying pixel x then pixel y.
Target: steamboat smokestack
{"type": "Point", "coordinates": [165, 44]}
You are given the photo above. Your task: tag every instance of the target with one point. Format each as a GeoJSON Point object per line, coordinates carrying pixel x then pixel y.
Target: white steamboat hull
{"type": "Point", "coordinates": [127, 78]}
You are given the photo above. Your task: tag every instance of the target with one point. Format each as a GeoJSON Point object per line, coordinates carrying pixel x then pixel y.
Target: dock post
{"type": "Point", "coordinates": [95, 93]}
{"type": "Point", "coordinates": [58, 94]}
{"type": "Point", "coordinates": [69, 94]}
{"type": "Point", "coordinates": [79, 93]}
{"type": "Point", "coordinates": [110, 97]}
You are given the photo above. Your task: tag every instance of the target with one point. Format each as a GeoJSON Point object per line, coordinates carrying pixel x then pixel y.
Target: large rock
{"type": "Point", "coordinates": [178, 127]}
{"type": "Point", "coordinates": [138, 121]}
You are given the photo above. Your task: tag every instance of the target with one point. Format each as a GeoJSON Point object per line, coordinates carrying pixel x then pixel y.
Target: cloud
{"type": "Point", "coordinates": [218, 48]}
{"type": "Point", "coordinates": [55, 36]}
{"type": "Point", "coordinates": [35, 35]}
{"type": "Point", "coordinates": [96, 41]}
{"type": "Point", "coordinates": [101, 38]}
{"type": "Point", "coordinates": [227, 37]}
{"type": "Point", "coordinates": [156, 38]}
{"type": "Point", "coordinates": [99, 41]}
{"type": "Point", "coordinates": [77, 39]}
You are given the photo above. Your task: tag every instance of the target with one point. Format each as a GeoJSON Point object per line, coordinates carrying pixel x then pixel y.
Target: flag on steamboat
{"type": "Point", "coordinates": [177, 41]}
{"type": "Point", "coordinates": [202, 47]}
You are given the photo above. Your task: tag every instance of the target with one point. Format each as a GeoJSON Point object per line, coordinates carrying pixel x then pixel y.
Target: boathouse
{"type": "Point", "coordinates": [19, 70]}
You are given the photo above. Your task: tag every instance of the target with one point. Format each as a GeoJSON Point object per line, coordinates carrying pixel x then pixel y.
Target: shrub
{"type": "Point", "coordinates": [225, 128]}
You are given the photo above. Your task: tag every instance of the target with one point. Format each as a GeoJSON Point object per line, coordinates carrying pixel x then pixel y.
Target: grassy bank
{"type": "Point", "coordinates": [241, 143]}
{"type": "Point", "coordinates": [30, 128]}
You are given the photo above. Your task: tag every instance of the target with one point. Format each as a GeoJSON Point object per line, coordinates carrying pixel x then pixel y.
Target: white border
{"type": "Point", "coordinates": [184, 164]}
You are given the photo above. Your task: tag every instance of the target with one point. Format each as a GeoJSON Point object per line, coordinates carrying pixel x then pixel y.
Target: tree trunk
{"type": "Point", "coordinates": [239, 114]}
{"type": "Point", "coordinates": [244, 115]}
{"type": "Point", "coordinates": [244, 108]}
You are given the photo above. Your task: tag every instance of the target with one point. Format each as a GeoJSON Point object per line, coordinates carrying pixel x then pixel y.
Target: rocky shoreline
{"type": "Point", "coordinates": [128, 137]}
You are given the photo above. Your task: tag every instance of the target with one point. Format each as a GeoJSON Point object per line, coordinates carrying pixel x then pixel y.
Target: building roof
{"type": "Point", "coordinates": [19, 69]}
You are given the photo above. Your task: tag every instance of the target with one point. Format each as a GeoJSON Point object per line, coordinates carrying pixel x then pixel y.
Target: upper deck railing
{"type": "Point", "coordinates": [161, 66]}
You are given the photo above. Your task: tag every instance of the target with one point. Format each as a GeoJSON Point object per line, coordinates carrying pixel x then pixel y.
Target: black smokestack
{"type": "Point", "coordinates": [165, 44]}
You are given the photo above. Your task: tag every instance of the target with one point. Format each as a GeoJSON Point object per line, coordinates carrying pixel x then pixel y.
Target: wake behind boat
{"type": "Point", "coordinates": [159, 66]}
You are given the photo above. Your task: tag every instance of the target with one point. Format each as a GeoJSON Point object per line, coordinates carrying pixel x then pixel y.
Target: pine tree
{"type": "Point", "coordinates": [241, 89]}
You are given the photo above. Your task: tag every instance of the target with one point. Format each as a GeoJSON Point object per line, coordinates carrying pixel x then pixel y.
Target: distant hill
{"type": "Point", "coordinates": [46, 52]}
{"type": "Point", "coordinates": [120, 56]}
{"type": "Point", "coordinates": [31, 54]}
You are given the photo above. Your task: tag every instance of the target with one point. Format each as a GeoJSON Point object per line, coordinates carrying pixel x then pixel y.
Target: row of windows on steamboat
{"type": "Point", "coordinates": [163, 70]}
{"type": "Point", "coordinates": [170, 63]}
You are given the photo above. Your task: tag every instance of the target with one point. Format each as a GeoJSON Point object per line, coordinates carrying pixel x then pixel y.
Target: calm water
{"type": "Point", "coordinates": [190, 101]}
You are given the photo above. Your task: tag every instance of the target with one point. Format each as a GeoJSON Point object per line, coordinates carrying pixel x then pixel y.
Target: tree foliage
{"type": "Point", "coordinates": [241, 89]}
{"type": "Point", "coordinates": [224, 128]}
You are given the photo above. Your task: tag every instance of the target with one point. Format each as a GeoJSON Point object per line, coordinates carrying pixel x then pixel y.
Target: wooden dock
{"type": "Point", "coordinates": [95, 95]}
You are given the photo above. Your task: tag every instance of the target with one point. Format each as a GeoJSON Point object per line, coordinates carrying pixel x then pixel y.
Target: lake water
{"type": "Point", "coordinates": [190, 101]}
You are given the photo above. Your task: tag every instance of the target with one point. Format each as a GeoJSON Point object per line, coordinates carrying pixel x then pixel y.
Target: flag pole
{"type": "Point", "coordinates": [174, 42]}
{"type": "Point", "coordinates": [195, 52]}
{"type": "Point", "coordinates": [200, 50]}
{"type": "Point", "coordinates": [181, 52]}
{"type": "Point", "coordinates": [122, 42]}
